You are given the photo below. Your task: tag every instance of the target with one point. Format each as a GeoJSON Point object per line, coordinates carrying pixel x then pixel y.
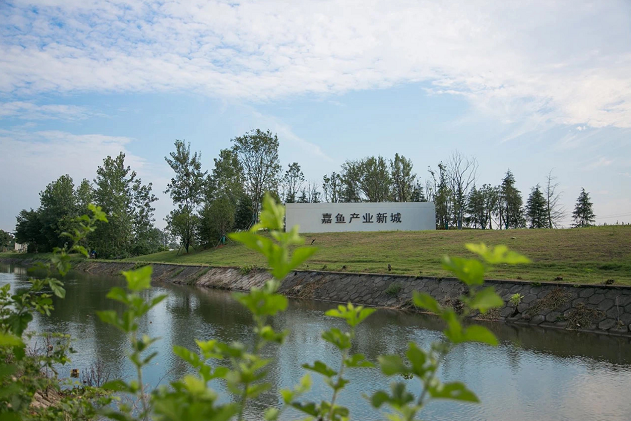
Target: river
{"type": "Point", "coordinates": [533, 374]}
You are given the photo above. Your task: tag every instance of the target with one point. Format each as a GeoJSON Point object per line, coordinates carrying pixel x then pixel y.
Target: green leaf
{"type": "Point", "coordinates": [485, 299]}
{"type": "Point", "coordinates": [476, 333]}
{"type": "Point", "coordinates": [57, 287]}
{"type": "Point", "coordinates": [498, 254]}
{"type": "Point", "coordinates": [308, 408]}
{"type": "Point", "coordinates": [455, 391]}
{"type": "Point", "coordinates": [118, 386]}
{"type": "Point", "coordinates": [118, 294]}
{"type": "Point", "coordinates": [359, 361]}
{"type": "Point", "coordinates": [139, 279]}
{"type": "Point", "coordinates": [418, 358]}
{"type": "Point", "coordinates": [338, 338]}
{"type": "Point", "coordinates": [320, 367]}
{"type": "Point", "coordinates": [469, 271]}
{"type": "Point", "coordinates": [18, 322]}
{"type": "Point", "coordinates": [110, 317]}
{"type": "Point", "coordinates": [427, 302]}
{"type": "Point", "coordinates": [392, 364]}
{"type": "Point", "coordinates": [7, 339]}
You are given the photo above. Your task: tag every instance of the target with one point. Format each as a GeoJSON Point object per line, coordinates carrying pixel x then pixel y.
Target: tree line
{"type": "Point", "coordinates": [127, 201]}
{"type": "Point", "coordinates": [209, 204]}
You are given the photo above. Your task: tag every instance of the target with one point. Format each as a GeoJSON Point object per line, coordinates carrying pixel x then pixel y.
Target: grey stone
{"type": "Point", "coordinates": [529, 298]}
{"type": "Point", "coordinates": [507, 311]}
{"type": "Point", "coordinates": [516, 288]}
{"type": "Point", "coordinates": [605, 304]}
{"type": "Point", "coordinates": [613, 312]}
{"type": "Point", "coordinates": [578, 301]}
{"type": "Point", "coordinates": [625, 318]}
{"type": "Point", "coordinates": [612, 293]}
{"type": "Point", "coordinates": [619, 328]}
{"type": "Point", "coordinates": [587, 292]}
{"type": "Point", "coordinates": [627, 308]}
{"type": "Point", "coordinates": [537, 319]}
{"type": "Point", "coordinates": [553, 316]}
{"type": "Point", "coordinates": [596, 298]}
{"type": "Point", "coordinates": [606, 324]}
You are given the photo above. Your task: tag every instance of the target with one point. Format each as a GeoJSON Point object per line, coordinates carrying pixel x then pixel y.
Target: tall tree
{"type": "Point", "coordinates": [418, 194]}
{"type": "Point", "coordinates": [244, 216]}
{"type": "Point", "coordinates": [583, 212]}
{"type": "Point", "coordinates": [58, 209]}
{"type": "Point", "coordinates": [28, 230]}
{"type": "Point", "coordinates": [226, 179]}
{"type": "Point", "coordinates": [128, 205]}
{"type": "Point", "coordinates": [84, 195]}
{"type": "Point", "coordinates": [186, 190]}
{"type": "Point", "coordinates": [258, 154]}
{"type": "Point", "coordinates": [441, 194]}
{"type": "Point", "coordinates": [536, 209]}
{"type": "Point", "coordinates": [332, 187]}
{"type": "Point", "coordinates": [510, 211]}
{"type": "Point", "coordinates": [554, 211]}
{"type": "Point", "coordinates": [476, 211]}
{"type": "Point", "coordinates": [461, 173]}
{"type": "Point", "coordinates": [350, 177]}
{"type": "Point", "coordinates": [292, 182]}
{"type": "Point", "coordinates": [218, 219]}
{"type": "Point", "coordinates": [375, 179]}
{"type": "Point", "coordinates": [402, 178]}
{"type": "Point", "coordinates": [490, 195]}
{"type": "Point", "coordinates": [5, 239]}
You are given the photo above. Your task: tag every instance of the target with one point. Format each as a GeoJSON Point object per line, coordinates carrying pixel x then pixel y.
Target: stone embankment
{"type": "Point", "coordinates": [588, 308]}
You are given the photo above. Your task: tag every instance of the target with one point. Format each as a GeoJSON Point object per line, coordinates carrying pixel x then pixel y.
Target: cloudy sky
{"type": "Point", "coordinates": [532, 86]}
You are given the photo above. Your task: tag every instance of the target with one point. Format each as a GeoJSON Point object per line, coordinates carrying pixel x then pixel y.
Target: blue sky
{"type": "Point", "coordinates": [532, 86]}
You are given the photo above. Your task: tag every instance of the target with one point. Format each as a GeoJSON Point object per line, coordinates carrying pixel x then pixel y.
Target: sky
{"type": "Point", "coordinates": [534, 86]}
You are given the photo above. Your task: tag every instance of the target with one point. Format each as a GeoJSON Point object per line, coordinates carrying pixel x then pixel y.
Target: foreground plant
{"type": "Point", "coordinates": [26, 376]}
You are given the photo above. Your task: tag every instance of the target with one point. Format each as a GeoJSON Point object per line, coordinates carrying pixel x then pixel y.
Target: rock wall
{"type": "Point", "coordinates": [589, 308]}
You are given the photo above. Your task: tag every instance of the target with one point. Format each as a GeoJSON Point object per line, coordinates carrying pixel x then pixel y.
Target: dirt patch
{"type": "Point", "coordinates": [553, 300]}
{"type": "Point", "coordinates": [582, 316]}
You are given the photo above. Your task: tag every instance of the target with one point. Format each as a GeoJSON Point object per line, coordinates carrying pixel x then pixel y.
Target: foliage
{"type": "Point", "coordinates": [516, 298]}
{"type": "Point", "coordinates": [583, 212]}
{"type": "Point", "coordinates": [292, 182]}
{"type": "Point", "coordinates": [536, 209]}
{"type": "Point", "coordinates": [403, 178]}
{"type": "Point", "coordinates": [217, 219]}
{"type": "Point", "coordinates": [244, 216]}
{"type": "Point", "coordinates": [5, 239]}
{"type": "Point", "coordinates": [332, 187]}
{"type": "Point", "coordinates": [185, 189]}
{"type": "Point", "coordinates": [258, 154]}
{"type": "Point", "coordinates": [24, 376]}
{"type": "Point", "coordinates": [511, 213]}
{"type": "Point", "coordinates": [128, 204]}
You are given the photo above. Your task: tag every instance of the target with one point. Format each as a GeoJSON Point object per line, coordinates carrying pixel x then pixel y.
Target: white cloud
{"type": "Point", "coordinates": [561, 62]}
{"type": "Point", "coordinates": [31, 111]}
{"type": "Point", "coordinates": [31, 160]}
{"type": "Point", "coordinates": [601, 162]}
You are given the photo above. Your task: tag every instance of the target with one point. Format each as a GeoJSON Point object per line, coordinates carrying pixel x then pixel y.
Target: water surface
{"type": "Point", "coordinates": [533, 375]}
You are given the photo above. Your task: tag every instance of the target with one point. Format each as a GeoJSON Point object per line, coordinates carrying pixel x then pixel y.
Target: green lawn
{"type": "Point", "coordinates": [588, 255]}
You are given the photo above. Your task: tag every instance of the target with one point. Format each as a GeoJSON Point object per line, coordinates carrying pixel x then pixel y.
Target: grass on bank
{"type": "Point", "coordinates": [586, 255]}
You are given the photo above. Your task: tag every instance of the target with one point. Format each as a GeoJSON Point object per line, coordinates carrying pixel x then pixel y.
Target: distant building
{"type": "Point", "coordinates": [20, 248]}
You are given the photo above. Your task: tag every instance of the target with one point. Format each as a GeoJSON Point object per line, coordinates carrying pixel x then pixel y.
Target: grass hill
{"type": "Point", "coordinates": [585, 255]}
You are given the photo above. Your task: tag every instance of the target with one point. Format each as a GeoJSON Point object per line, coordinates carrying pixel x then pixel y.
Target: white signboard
{"type": "Point", "coordinates": [344, 217]}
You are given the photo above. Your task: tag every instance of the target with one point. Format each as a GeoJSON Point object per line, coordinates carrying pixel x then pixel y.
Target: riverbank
{"type": "Point", "coordinates": [585, 308]}
{"type": "Point", "coordinates": [580, 255]}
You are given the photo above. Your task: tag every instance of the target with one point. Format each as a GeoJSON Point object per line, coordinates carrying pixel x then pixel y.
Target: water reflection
{"type": "Point", "coordinates": [533, 374]}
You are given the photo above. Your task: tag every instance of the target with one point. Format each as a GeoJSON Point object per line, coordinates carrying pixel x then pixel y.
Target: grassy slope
{"type": "Point", "coordinates": [590, 255]}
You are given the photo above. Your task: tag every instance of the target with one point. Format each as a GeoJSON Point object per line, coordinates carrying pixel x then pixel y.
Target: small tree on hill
{"type": "Point", "coordinates": [583, 213]}
{"type": "Point", "coordinates": [536, 209]}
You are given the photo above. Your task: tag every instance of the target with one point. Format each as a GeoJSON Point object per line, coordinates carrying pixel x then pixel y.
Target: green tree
{"type": "Point", "coordinates": [84, 196]}
{"type": "Point", "coordinates": [583, 212]}
{"type": "Point", "coordinates": [536, 209]}
{"type": "Point", "coordinates": [186, 190]}
{"type": "Point", "coordinates": [332, 187]}
{"type": "Point", "coordinates": [244, 216]}
{"type": "Point", "coordinates": [217, 220]}
{"type": "Point", "coordinates": [375, 181]}
{"type": "Point", "coordinates": [418, 194]}
{"type": "Point", "coordinates": [441, 195]}
{"type": "Point", "coordinates": [403, 186]}
{"type": "Point", "coordinates": [258, 154]}
{"type": "Point", "coordinates": [128, 205]}
{"type": "Point", "coordinates": [510, 203]}
{"type": "Point", "coordinates": [29, 230]}
{"type": "Point", "coordinates": [476, 212]}
{"type": "Point", "coordinates": [5, 239]}
{"type": "Point", "coordinates": [58, 209]}
{"type": "Point", "coordinates": [226, 179]}
{"type": "Point", "coordinates": [350, 178]}
{"type": "Point", "coordinates": [461, 173]}
{"type": "Point", "coordinates": [491, 202]}
{"type": "Point", "coordinates": [292, 182]}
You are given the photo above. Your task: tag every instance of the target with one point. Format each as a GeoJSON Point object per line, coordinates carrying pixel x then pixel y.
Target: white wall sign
{"type": "Point", "coordinates": [344, 217]}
